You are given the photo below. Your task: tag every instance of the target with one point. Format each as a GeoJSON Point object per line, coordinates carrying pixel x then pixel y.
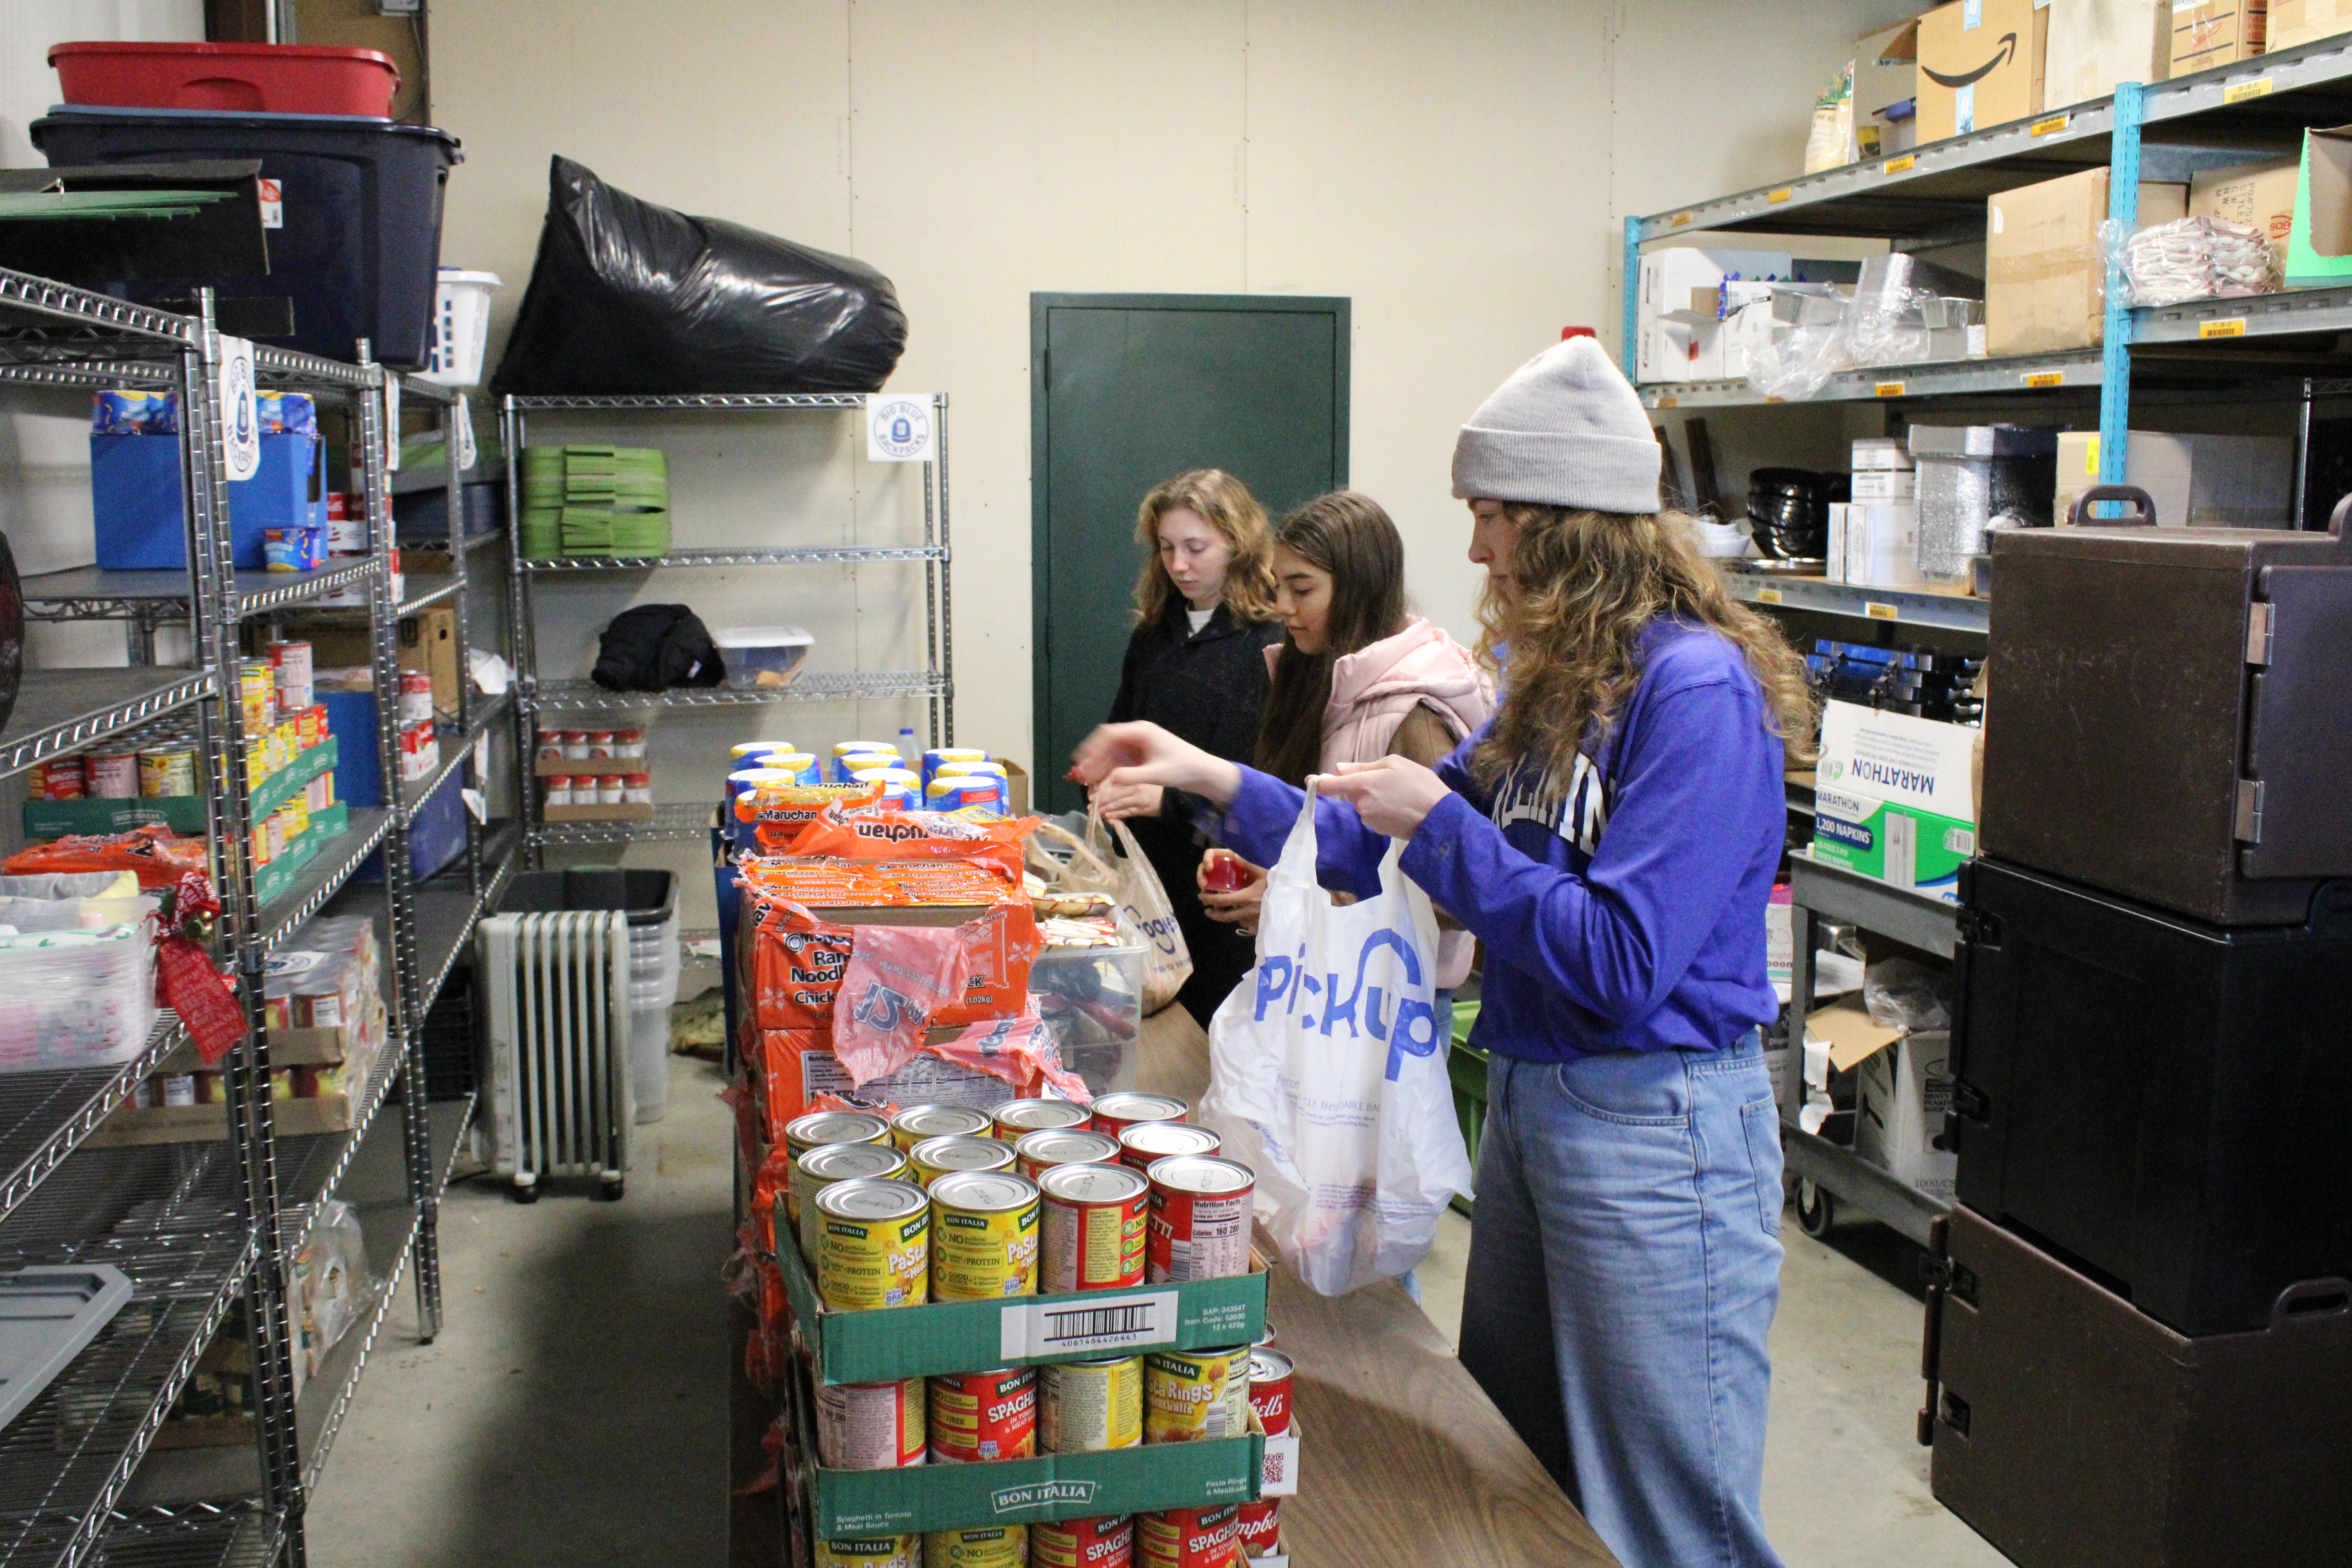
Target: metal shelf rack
{"type": "Point", "coordinates": [535, 696]}
{"type": "Point", "coordinates": [1899, 606]}
{"type": "Point", "coordinates": [204, 1228]}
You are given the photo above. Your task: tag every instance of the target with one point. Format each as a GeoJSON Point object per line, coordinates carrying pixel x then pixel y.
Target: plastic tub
{"type": "Point", "coordinates": [1092, 1001]}
{"type": "Point", "coordinates": [269, 78]}
{"type": "Point", "coordinates": [361, 246]}
{"type": "Point", "coordinates": [461, 327]}
{"type": "Point", "coordinates": [86, 1006]}
{"type": "Point", "coordinates": [763, 656]}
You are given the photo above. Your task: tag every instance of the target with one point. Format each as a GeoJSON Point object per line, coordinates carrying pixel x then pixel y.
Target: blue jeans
{"type": "Point", "coordinates": [1624, 1265]}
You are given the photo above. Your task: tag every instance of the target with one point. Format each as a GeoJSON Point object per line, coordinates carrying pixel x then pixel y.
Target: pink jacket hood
{"type": "Point", "coordinates": [1375, 688]}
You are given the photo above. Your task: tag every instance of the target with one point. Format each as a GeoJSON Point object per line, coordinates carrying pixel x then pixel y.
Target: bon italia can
{"type": "Point", "coordinates": [1148, 1141]}
{"type": "Point", "coordinates": [977, 1416]}
{"type": "Point", "coordinates": [825, 1164]}
{"type": "Point", "coordinates": [1115, 1114]}
{"type": "Point", "coordinates": [871, 1552]}
{"type": "Point", "coordinates": [1104, 1541]}
{"type": "Point", "coordinates": [818, 1128]}
{"type": "Point", "coordinates": [916, 1123]}
{"type": "Point", "coordinates": [1016, 1119]}
{"type": "Point", "coordinates": [977, 1546]}
{"type": "Point", "coordinates": [1094, 1223]}
{"type": "Point", "coordinates": [1200, 1226]}
{"type": "Point", "coordinates": [983, 1234]}
{"type": "Point", "coordinates": [1257, 1529]}
{"type": "Point", "coordinates": [871, 1426]}
{"type": "Point", "coordinates": [1272, 1378]}
{"type": "Point", "coordinates": [874, 1245]}
{"type": "Point", "coordinates": [1038, 1153]}
{"type": "Point", "coordinates": [1193, 1396]}
{"type": "Point", "coordinates": [1186, 1537]}
{"type": "Point", "coordinates": [1088, 1407]}
{"type": "Point", "coordinates": [936, 1157]}
{"type": "Point", "coordinates": [167, 771]}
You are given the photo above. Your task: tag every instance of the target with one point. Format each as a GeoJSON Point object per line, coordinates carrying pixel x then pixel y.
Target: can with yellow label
{"type": "Point", "coordinates": [936, 1157]}
{"type": "Point", "coordinates": [823, 1166]}
{"type": "Point", "coordinates": [871, 1552]}
{"type": "Point", "coordinates": [874, 1244]}
{"type": "Point", "coordinates": [983, 1235]}
{"type": "Point", "coordinates": [1190, 1396]}
{"type": "Point", "coordinates": [1086, 1406]}
{"type": "Point", "coordinates": [980, 1546]}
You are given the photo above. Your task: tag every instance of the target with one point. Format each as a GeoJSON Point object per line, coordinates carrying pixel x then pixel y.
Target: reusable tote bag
{"type": "Point", "coordinates": [1127, 878]}
{"type": "Point", "coordinates": [1327, 1075]}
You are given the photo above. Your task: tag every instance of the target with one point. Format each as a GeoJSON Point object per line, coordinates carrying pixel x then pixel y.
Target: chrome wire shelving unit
{"type": "Point", "coordinates": [536, 697]}
{"type": "Point", "coordinates": [208, 1228]}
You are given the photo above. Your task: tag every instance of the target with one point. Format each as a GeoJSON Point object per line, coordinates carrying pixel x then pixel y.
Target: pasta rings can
{"type": "Point", "coordinates": [871, 1426]}
{"type": "Point", "coordinates": [1086, 1406]}
{"type": "Point", "coordinates": [1272, 1378]}
{"type": "Point", "coordinates": [1040, 1151]}
{"type": "Point", "coordinates": [1186, 1537]}
{"type": "Point", "coordinates": [983, 1234]}
{"type": "Point", "coordinates": [1016, 1119]}
{"type": "Point", "coordinates": [1095, 1217]}
{"type": "Point", "coordinates": [1145, 1142]}
{"type": "Point", "coordinates": [1200, 1226]}
{"type": "Point", "coordinates": [977, 1546]}
{"type": "Point", "coordinates": [917, 1123]}
{"type": "Point", "coordinates": [1114, 1113]}
{"type": "Point", "coordinates": [977, 1416]}
{"type": "Point", "coordinates": [825, 1164]}
{"type": "Point", "coordinates": [1193, 1396]}
{"type": "Point", "coordinates": [1107, 1540]}
{"type": "Point", "coordinates": [874, 1245]}
{"type": "Point", "coordinates": [871, 1552]}
{"type": "Point", "coordinates": [936, 1157]}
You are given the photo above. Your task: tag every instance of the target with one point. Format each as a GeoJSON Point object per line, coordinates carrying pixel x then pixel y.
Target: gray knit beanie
{"type": "Point", "coordinates": [1566, 429]}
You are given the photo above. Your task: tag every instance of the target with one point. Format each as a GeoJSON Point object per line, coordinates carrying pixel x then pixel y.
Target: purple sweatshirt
{"type": "Point", "coordinates": [1628, 913]}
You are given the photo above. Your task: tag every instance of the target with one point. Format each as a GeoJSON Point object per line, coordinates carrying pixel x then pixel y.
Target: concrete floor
{"type": "Point", "coordinates": [573, 1412]}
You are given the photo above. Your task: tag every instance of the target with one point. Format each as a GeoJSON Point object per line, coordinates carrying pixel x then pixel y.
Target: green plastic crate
{"type": "Point", "coordinates": [1466, 1064]}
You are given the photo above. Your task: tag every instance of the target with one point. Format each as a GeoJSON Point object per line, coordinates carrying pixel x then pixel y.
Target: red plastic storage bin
{"type": "Point", "coordinates": [273, 79]}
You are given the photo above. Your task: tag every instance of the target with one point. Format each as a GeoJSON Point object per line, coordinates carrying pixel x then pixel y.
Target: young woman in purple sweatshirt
{"type": "Point", "coordinates": [1611, 835]}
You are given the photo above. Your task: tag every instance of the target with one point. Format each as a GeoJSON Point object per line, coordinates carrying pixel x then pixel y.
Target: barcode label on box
{"type": "Point", "coordinates": [2238, 92]}
{"type": "Point", "coordinates": [1902, 165]}
{"type": "Point", "coordinates": [1097, 1325]}
{"type": "Point", "coordinates": [2235, 327]}
{"type": "Point", "coordinates": [2045, 378]}
{"type": "Point", "coordinates": [2050, 125]}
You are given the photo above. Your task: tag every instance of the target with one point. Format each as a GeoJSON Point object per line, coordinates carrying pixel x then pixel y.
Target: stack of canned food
{"type": "Point", "coordinates": [945, 1203]}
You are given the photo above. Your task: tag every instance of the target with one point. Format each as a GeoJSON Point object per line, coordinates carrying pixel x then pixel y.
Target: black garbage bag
{"type": "Point", "coordinates": [627, 297]}
{"type": "Point", "coordinates": [653, 647]}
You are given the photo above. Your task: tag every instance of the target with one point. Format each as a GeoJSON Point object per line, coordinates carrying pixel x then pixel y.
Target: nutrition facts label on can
{"type": "Point", "coordinates": [1099, 1323]}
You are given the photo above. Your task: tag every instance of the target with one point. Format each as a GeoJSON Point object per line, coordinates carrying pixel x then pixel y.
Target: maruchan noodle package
{"type": "Point", "coordinates": [880, 834]}
{"type": "Point", "coordinates": [777, 811]}
{"type": "Point", "coordinates": [798, 957]}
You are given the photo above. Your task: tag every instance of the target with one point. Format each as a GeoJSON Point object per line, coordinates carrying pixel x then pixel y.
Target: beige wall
{"type": "Point", "coordinates": [1459, 170]}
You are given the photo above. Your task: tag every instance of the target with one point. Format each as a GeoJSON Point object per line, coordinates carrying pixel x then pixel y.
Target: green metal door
{"type": "Point", "coordinates": [1126, 390]}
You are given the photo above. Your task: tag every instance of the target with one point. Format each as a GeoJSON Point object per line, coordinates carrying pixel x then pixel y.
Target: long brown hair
{"type": "Point", "coordinates": [1226, 504]}
{"type": "Point", "coordinates": [1347, 534]}
{"type": "Point", "coordinates": [1588, 583]}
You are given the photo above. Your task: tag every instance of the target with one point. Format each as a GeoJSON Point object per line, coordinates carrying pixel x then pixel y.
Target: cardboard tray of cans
{"type": "Point", "coordinates": [889, 1343]}
{"type": "Point", "coordinates": [137, 1125]}
{"type": "Point", "coordinates": [274, 879]}
{"type": "Point", "coordinates": [46, 819]}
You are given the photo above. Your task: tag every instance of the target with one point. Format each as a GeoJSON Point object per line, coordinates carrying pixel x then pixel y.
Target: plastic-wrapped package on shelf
{"type": "Point", "coordinates": [2192, 258]}
{"type": "Point", "coordinates": [330, 1284]}
{"type": "Point", "coordinates": [1793, 350]}
{"type": "Point", "coordinates": [76, 998]}
{"type": "Point", "coordinates": [1971, 475]}
{"type": "Point", "coordinates": [1088, 988]}
{"type": "Point", "coordinates": [81, 900]}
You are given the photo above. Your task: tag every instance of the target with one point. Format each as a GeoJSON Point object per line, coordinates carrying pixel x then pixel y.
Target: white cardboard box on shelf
{"type": "Point", "coordinates": [1671, 343]}
{"type": "Point", "coordinates": [1901, 1095]}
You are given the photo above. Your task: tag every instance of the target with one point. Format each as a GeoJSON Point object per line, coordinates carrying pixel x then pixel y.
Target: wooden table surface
{"type": "Point", "coordinates": [1403, 1462]}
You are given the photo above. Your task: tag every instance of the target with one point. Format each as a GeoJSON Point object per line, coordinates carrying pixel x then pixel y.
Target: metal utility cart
{"type": "Point", "coordinates": [690, 821]}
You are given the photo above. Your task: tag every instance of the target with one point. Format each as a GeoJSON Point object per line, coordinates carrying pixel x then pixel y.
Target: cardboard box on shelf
{"type": "Point", "coordinates": [1669, 326]}
{"type": "Point", "coordinates": [2296, 22]}
{"type": "Point", "coordinates": [2094, 44]}
{"type": "Point", "coordinates": [1895, 797]}
{"type": "Point", "coordinates": [1901, 1094]}
{"type": "Point", "coordinates": [2209, 32]}
{"type": "Point", "coordinates": [2260, 196]}
{"type": "Point", "coordinates": [1979, 64]}
{"type": "Point", "coordinates": [2196, 481]}
{"type": "Point", "coordinates": [2319, 242]}
{"type": "Point", "coordinates": [428, 641]}
{"type": "Point", "coordinates": [2045, 276]}
{"type": "Point", "coordinates": [1850, 1033]}
{"type": "Point", "coordinates": [1886, 88]}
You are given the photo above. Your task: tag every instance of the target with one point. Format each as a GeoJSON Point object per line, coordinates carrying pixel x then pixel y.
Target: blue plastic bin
{"type": "Point", "coordinates": [359, 769]}
{"type": "Point", "coordinates": [140, 513]}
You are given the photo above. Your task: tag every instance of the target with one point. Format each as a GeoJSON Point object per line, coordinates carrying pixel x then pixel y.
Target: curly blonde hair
{"type": "Point", "coordinates": [1226, 504]}
{"type": "Point", "coordinates": [1564, 646]}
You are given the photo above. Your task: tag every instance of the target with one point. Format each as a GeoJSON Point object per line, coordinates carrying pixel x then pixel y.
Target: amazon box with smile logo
{"type": "Point", "coordinates": [1979, 65]}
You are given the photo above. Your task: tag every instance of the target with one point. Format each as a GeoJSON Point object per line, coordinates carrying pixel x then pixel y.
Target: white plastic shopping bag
{"type": "Point", "coordinates": [1327, 1076]}
{"type": "Point", "coordinates": [1125, 874]}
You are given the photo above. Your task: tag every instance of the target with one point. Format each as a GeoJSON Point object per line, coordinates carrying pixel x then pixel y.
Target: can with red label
{"type": "Point", "coordinates": [1145, 1142]}
{"type": "Point", "coordinates": [1094, 1223]}
{"type": "Point", "coordinates": [1107, 1540]}
{"type": "Point", "coordinates": [60, 778]}
{"type": "Point", "coordinates": [1200, 1226]}
{"type": "Point", "coordinates": [1188, 1537]}
{"type": "Point", "coordinates": [111, 773]}
{"type": "Point", "coordinates": [1266, 1340]}
{"type": "Point", "coordinates": [870, 1426]}
{"type": "Point", "coordinates": [981, 1416]}
{"type": "Point", "coordinates": [1258, 1529]}
{"type": "Point", "coordinates": [1114, 1113]}
{"type": "Point", "coordinates": [1016, 1119]}
{"type": "Point", "coordinates": [1271, 1377]}
{"type": "Point", "coordinates": [415, 697]}
{"type": "Point", "coordinates": [1040, 1151]}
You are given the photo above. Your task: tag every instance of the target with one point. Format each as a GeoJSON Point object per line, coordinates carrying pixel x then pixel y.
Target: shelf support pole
{"type": "Point", "coordinates": [2114, 354]}
{"type": "Point", "coordinates": [1629, 283]}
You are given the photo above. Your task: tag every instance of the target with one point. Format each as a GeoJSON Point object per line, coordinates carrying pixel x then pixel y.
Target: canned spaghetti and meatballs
{"type": "Point", "coordinates": [818, 1128]}
{"type": "Point", "coordinates": [1257, 1530]}
{"type": "Point", "coordinates": [983, 1234]}
{"type": "Point", "coordinates": [1016, 1119]}
{"type": "Point", "coordinates": [1200, 1226]}
{"type": "Point", "coordinates": [1271, 1380]}
{"type": "Point", "coordinates": [825, 1164]}
{"type": "Point", "coordinates": [1186, 1537]}
{"type": "Point", "coordinates": [1115, 1114]}
{"type": "Point", "coordinates": [1095, 1217]}
{"type": "Point", "coordinates": [977, 1416]}
{"type": "Point", "coordinates": [1086, 1406]}
{"type": "Point", "coordinates": [871, 1552]}
{"type": "Point", "coordinates": [1038, 1153]}
{"type": "Point", "coordinates": [936, 1157]}
{"type": "Point", "coordinates": [980, 1546]}
{"type": "Point", "coordinates": [1146, 1142]}
{"type": "Point", "coordinates": [918, 1122]}
{"type": "Point", "coordinates": [871, 1426]}
{"type": "Point", "coordinates": [1195, 1396]}
{"type": "Point", "coordinates": [1107, 1540]}
{"type": "Point", "coordinates": [874, 1245]}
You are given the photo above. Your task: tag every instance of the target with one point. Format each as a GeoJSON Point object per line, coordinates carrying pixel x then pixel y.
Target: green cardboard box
{"type": "Point", "coordinates": [1023, 1330]}
{"type": "Point", "coordinates": [1896, 844]}
{"type": "Point", "coordinates": [279, 875]}
{"type": "Point", "coordinates": [1051, 1485]}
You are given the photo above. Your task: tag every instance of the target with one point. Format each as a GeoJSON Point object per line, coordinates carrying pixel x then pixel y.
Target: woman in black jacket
{"type": "Point", "coordinates": [1196, 666]}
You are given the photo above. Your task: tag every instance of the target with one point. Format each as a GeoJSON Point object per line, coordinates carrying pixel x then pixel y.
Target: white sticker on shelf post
{"type": "Point", "coordinates": [1096, 1324]}
{"type": "Point", "coordinates": [240, 415]}
{"type": "Point", "coordinates": [392, 422]}
{"type": "Point", "coordinates": [476, 802]}
{"type": "Point", "coordinates": [468, 453]}
{"type": "Point", "coordinates": [898, 427]}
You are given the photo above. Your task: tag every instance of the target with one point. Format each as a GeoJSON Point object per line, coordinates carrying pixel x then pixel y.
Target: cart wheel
{"type": "Point", "coordinates": [525, 1189]}
{"type": "Point", "coordinates": [611, 1188]}
{"type": "Point", "coordinates": [1816, 1210]}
